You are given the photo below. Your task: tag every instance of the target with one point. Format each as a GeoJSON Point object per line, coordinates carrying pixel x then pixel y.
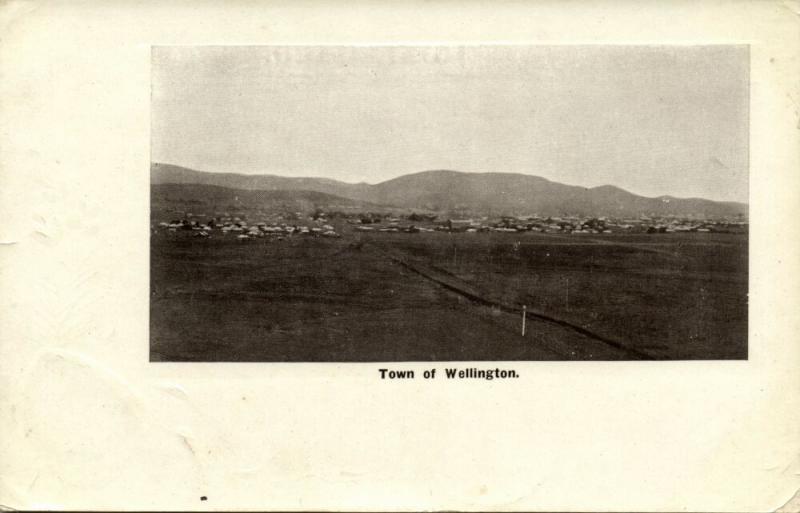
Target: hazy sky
{"type": "Point", "coordinates": [652, 120]}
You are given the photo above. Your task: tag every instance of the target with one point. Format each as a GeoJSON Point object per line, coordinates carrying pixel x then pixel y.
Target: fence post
{"type": "Point", "coordinates": [524, 311]}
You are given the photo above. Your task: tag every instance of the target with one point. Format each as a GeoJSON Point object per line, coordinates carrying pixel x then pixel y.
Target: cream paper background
{"type": "Point", "coordinates": [87, 422]}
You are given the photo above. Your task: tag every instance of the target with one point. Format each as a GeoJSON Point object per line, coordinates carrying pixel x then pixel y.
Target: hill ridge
{"type": "Point", "coordinates": [485, 192]}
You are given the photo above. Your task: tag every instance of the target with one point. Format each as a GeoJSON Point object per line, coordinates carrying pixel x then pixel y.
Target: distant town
{"type": "Point", "coordinates": [321, 223]}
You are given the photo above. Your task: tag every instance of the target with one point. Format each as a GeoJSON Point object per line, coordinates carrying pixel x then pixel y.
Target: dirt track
{"type": "Point", "coordinates": [453, 284]}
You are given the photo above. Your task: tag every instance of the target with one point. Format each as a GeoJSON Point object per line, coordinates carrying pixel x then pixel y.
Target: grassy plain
{"type": "Point", "coordinates": [669, 296]}
{"type": "Point", "coordinates": [673, 296]}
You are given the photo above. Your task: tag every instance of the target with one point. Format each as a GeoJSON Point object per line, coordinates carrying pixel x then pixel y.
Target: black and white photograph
{"type": "Point", "coordinates": [450, 203]}
{"type": "Point", "coordinates": [382, 256]}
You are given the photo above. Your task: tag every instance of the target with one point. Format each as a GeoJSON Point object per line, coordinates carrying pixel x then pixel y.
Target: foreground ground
{"type": "Point", "coordinates": [441, 296]}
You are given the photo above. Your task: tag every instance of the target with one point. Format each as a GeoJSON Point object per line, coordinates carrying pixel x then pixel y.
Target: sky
{"type": "Point", "coordinates": [654, 120]}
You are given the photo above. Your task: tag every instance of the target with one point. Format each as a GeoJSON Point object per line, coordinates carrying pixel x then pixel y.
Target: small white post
{"type": "Point", "coordinates": [524, 311]}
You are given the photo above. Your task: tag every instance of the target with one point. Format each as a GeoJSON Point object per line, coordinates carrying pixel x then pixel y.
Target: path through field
{"type": "Point", "coordinates": [452, 283]}
{"type": "Point", "coordinates": [323, 300]}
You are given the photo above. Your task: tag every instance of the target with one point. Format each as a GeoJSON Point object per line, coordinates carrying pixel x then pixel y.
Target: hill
{"type": "Point", "coordinates": [168, 173]}
{"type": "Point", "coordinates": [211, 199]}
{"type": "Point", "coordinates": [476, 193]}
{"type": "Point", "coordinates": [516, 193]}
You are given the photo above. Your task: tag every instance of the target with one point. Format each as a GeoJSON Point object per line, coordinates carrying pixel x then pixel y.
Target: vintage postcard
{"type": "Point", "coordinates": [366, 257]}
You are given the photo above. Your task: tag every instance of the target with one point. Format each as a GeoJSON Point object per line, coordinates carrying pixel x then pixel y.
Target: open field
{"type": "Point", "coordinates": [448, 296]}
{"type": "Point", "coordinates": [672, 296]}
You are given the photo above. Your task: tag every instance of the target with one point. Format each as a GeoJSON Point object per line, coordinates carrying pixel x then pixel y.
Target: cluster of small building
{"type": "Point", "coordinates": [318, 224]}
{"type": "Point", "coordinates": [243, 230]}
{"type": "Point", "coordinates": [566, 224]}
{"type": "Point", "coordinates": [643, 224]}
